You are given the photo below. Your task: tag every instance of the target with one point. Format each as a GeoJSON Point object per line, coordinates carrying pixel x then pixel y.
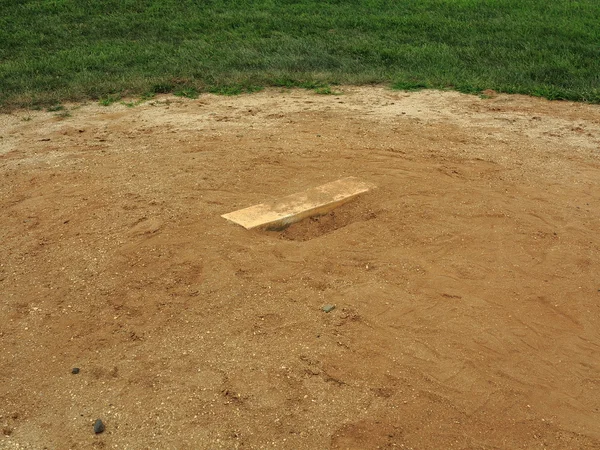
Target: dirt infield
{"type": "Point", "coordinates": [466, 286]}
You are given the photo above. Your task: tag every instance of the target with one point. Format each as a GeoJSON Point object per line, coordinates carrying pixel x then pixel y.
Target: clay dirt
{"type": "Point", "coordinates": [466, 285]}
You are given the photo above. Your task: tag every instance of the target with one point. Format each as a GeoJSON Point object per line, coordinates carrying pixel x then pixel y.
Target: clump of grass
{"type": "Point", "coordinates": [147, 96]}
{"type": "Point", "coordinates": [410, 85]}
{"type": "Point", "coordinates": [327, 91]}
{"type": "Point", "coordinates": [143, 98]}
{"type": "Point", "coordinates": [109, 100]}
{"type": "Point", "coordinates": [188, 92]}
{"type": "Point", "coordinates": [54, 108]}
{"type": "Point", "coordinates": [63, 114]}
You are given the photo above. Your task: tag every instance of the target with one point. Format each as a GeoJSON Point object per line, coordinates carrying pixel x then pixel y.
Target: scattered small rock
{"type": "Point", "coordinates": [328, 308]}
{"type": "Point", "coordinates": [98, 426]}
{"type": "Point", "coordinates": [75, 370]}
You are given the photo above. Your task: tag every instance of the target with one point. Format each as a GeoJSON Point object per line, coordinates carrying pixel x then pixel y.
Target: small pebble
{"type": "Point", "coordinates": [98, 427]}
{"type": "Point", "coordinates": [328, 308]}
{"type": "Point", "coordinates": [75, 370]}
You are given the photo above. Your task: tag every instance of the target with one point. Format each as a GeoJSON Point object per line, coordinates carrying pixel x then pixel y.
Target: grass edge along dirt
{"type": "Point", "coordinates": [58, 51]}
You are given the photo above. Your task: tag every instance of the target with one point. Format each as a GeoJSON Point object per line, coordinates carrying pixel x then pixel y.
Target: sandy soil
{"type": "Point", "coordinates": [467, 285]}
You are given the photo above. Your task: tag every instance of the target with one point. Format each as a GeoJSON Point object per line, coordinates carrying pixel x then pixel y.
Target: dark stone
{"type": "Point", "coordinates": [75, 370]}
{"type": "Point", "coordinates": [98, 426]}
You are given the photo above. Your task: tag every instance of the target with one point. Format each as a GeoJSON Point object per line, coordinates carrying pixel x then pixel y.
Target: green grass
{"type": "Point", "coordinates": [53, 51]}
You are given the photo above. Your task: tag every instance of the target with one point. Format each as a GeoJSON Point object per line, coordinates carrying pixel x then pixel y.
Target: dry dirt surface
{"type": "Point", "coordinates": [466, 285]}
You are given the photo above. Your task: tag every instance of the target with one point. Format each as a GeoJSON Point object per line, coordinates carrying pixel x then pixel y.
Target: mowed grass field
{"type": "Point", "coordinates": [63, 50]}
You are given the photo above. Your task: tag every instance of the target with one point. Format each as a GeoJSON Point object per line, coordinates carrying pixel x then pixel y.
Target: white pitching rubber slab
{"type": "Point", "coordinates": [293, 208]}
